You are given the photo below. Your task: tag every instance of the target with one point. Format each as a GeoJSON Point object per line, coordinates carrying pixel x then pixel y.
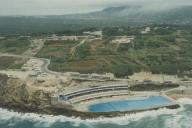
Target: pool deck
{"type": "Point", "coordinates": [83, 106]}
{"type": "Point", "coordinates": [180, 93]}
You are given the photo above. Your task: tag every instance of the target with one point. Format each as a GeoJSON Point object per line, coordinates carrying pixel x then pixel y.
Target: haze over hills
{"type": "Point", "coordinates": [111, 16]}
{"type": "Point", "coordinates": [166, 14]}
{"type": "Point", "coordinates": [123, 63]}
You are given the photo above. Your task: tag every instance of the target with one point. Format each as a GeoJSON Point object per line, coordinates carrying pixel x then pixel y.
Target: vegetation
{"type": "Point", "coordinates": [153, 87]}
{"type": "Point", "coordinates": [14, 45]}
{"type": "Point", "coordinates": [10, 63]}
{"type": "Point", "coordinates": [113, 16]}
{"type": "Point", "coordinates": [166, 49]}
{"type": "Point", "coordinates": [82, 51]}
{"type": "Point", "coordinates": [57, 51]}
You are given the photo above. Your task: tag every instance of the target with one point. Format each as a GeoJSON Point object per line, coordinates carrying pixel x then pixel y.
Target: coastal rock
{"type": "Point", "coordinates": [16, 92]}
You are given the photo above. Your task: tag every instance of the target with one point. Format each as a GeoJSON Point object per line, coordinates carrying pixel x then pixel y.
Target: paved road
{"type": "Point", "coordinates": [46, 62]}
{"type": "Point", "coordinates": [44, 67]}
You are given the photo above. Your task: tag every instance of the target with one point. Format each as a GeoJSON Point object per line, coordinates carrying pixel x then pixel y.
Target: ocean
{"type": "Point", "coordinates": [162, 118]}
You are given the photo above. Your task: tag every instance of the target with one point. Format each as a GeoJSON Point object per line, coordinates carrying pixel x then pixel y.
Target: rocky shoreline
{"type": "Point", "coordinates": [56, 111]}
{"type": "Point", "coordinates": [18, 96]}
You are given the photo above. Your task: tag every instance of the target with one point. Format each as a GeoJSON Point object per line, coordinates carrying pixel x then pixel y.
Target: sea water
{"type": "Point", "coordinates": [162, 118]}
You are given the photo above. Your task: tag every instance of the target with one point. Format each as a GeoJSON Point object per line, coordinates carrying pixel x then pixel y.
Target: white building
{"type": "Point", "coordinates": [123, 40]}
{"type": "Point", "coordinates": [55, 37]}
{"type": "Point", "coordinates": [95, 33]}
{"type": "Point", "coordinates": [147, 30]}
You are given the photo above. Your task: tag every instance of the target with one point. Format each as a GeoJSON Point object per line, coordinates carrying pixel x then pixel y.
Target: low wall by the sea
{"type": "Point", "coordinates": [52, 110]}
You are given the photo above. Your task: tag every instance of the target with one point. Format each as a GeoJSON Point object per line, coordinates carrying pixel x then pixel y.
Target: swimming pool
{"type": "Point", "coordinates": [138, 103]}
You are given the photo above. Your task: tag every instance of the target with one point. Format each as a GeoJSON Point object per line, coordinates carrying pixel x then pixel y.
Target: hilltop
{"type": "Point", "coordinates": [111, 16]}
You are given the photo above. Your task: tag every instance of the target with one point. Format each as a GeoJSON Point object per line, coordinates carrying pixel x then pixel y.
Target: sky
{"type": "Point", "coordinates": [60, 7]}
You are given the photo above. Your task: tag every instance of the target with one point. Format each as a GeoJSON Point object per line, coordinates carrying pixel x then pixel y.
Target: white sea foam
{"type": "Point", "coordinates": [48, 120]}
{"type": "Point", "coordinates": [179, 121]}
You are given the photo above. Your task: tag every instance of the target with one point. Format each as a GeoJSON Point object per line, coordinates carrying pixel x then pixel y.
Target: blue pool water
{"type": "Point", "coordinates": [130, 104]}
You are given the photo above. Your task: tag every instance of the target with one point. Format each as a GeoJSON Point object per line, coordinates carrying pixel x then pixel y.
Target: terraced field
{"type": "Point", "coordinates": [166, 52]}
{"type": "Point", "coordinates": [93, 56]}
{"type": "Point", "coordinates": [14, 45]}
{"type": "Point", "coordinates": [11, 63]}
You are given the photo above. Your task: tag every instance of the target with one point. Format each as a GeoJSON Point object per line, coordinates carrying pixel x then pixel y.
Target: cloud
{"type": "Point", "coordinates": [29, 7]}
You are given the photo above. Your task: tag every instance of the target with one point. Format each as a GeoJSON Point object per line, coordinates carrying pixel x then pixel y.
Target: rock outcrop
{"type": "Point", "coordinates": [15, 92]}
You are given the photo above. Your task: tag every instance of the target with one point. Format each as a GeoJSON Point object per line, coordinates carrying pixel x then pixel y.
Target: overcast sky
{"type": "Point", "coordinates": [59, 7]}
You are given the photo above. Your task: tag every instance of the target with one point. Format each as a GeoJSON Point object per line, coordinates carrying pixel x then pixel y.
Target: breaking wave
{"type": "Point", "coordinates": [179, 121]}
{"type": "Point", "coordinates": [49, 120]}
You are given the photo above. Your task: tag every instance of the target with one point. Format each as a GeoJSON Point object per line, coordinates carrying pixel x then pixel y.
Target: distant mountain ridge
{"type": "Point", "coordinates": [108, 17]}
{"type": "Point", "coordinates": [174, 13]}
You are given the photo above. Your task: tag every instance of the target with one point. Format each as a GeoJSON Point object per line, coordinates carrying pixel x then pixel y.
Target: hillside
{"type": "Point", "coordinates": [165, 49]}
{"type": "Point", "coordinates": [112, 16]}
{"type": "Point", "coordinates": [174, 14]}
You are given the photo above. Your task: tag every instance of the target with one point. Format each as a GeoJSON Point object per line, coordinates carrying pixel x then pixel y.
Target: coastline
{"type": "Point", "coordinates": [179, 96]}
{"type": "Point", "coordinates": [118, 120]}
{"type": "Point", "coordinates": [56, 111]}
{"type": "Point", "coordinates": [39, 102]}
{"type": "Point", "coordinates": [180, 93]}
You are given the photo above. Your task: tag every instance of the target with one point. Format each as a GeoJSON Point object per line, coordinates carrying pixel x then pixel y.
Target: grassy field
{"type": "Point", "coordinates": [163, 50]}
{"type": "Point", "coordinates": [57, 51]}
{"type": "Point", "coordinates": [14, 45]}
{"type": "Point", "coordinates": [10, 63]}
{"type": "Point", "coordinates": [153, 87]}
{"type": "Point", "coordinates": [94, 56]}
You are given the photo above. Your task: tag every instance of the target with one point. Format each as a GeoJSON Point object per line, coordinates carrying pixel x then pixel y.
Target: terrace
{"type": "Point", "coordinates": [102, 90]}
